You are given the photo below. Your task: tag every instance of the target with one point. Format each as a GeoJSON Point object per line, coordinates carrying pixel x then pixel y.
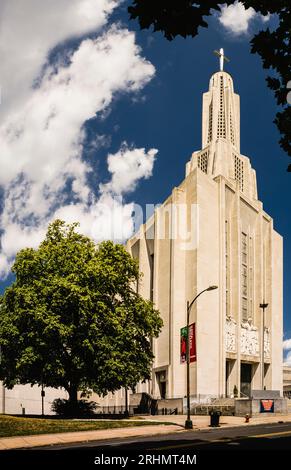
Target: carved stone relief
{"type": "Point", "coordinates": [249, 340]}
{"type": "Point", "coordinates": [230, 334]}
{"type": "Point", "coordinates": [267, 342]}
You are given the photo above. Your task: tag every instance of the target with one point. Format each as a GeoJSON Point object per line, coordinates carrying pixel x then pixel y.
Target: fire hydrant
{"type": "Point", "coordinates": [247, 416]}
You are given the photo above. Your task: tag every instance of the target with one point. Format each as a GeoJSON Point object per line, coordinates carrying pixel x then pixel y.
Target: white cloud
{"type": "Point", "coordinates": [287, 344]}
{"type": "Point", "coordinates": [108, 217]}
{"type": "Point", "coordinates": [236, 18]}
{"type": "Point", "coordinates": [45, 133]}
{"type": "Point", "coordinates": [287, 360]}
{"type": "Point", "coordinates": [265, 18]}
{"type": "Point", "coordinates": [41, 134]}
{"type": "Point", "coordinates": [127, 166]}
{"type": "Point", "coordinates": [287, 347]}
{"type": "Point", "coordinates": [30, 29]}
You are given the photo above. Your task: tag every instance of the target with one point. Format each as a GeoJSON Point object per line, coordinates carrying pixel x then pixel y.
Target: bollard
{"type": "Point", "coordinates": [247, 417]}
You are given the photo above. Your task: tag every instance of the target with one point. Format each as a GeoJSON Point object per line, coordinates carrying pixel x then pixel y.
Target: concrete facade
{"type": "Point", "coordinates": [24, 399]}
{"type": "Point", "coordinates": [213, 230]}
{"type": "Point", "coordinates": [274, 404]}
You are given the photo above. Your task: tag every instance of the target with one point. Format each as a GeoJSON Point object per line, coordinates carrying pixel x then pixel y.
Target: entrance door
{"type": "Point", "coordinates": [245, 379]}
{"type": "Point", "coordinates": [163, 389]}
{"type": "Point", "coordinates": [228, 371]}
{"type": "Point", "coordinates": [162, 383]}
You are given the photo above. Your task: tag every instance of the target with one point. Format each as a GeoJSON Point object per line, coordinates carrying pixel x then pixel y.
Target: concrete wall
{"type": "Point", "coordinates": [277, 312]}
{"type": "Point", "coordinates": [25, 397]}
{"type": "Point", "coordinates": [207, 306]}
{"type": "Point", "coordinates": [252, 407]}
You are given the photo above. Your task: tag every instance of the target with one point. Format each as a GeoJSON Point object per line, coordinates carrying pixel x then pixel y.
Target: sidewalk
{"type": "Point", "coordinates": [199, 422]}
{"type": "Point", "coordinates": [18, 442]}
{"type": "Point", "coordinates": [202, 422]}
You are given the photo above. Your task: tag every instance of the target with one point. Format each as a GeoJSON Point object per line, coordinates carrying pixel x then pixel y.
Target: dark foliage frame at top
{"type": "Point", "coordinates": [184, 17]}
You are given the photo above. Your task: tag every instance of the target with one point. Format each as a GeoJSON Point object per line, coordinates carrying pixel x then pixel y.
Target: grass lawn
{"type": "Point", "coordinates": [13, 426]}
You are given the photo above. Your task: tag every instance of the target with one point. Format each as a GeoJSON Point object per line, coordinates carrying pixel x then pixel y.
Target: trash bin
{"type": "Point", "coordinates": [214, 418]}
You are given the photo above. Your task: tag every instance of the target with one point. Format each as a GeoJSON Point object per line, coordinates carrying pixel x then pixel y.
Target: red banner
{"type": "Point", "coordinates": [183, 342]}
{"type": "Point", "coordinates": [192, 342]}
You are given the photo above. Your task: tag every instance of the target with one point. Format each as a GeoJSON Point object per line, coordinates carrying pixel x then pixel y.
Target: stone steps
{"type": "Point", "coordinates": [226, 410]}
{"type": "Point", "coordinates": [223, 402]}
{"type": "Point", "coordinates": [224, 405]}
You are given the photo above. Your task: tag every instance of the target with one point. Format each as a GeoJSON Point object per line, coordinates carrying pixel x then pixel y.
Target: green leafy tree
{"type": "Point", "coordinates": [72, 318]}
{"type": "Point", "coordinates": [184, 17]}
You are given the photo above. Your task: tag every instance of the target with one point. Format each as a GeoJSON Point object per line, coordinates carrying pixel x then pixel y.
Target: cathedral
{"type": "Point", "coordinates": [212, 247]}
{"type": "Point", "coordinates": [212, 230]}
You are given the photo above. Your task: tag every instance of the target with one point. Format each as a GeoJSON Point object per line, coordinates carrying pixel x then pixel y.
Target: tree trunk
{"type": "Point", "coordinates": [73, 394]}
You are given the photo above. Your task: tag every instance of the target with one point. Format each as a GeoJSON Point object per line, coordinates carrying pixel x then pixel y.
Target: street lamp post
{"type": "Point", "coordinates": [263, 306]}
{"type": "Point", "coordinates": [126, 413]}
{"type": "Point", "coordinates": [188, 422]}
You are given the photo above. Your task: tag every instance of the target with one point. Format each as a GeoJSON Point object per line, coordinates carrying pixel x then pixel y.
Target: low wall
{"type": "Point", "coordinates": [253, 406]}
{"type": "Point", "coordinates": [171, 403]}
{"type": "Point", "coordinates": [25, 399]}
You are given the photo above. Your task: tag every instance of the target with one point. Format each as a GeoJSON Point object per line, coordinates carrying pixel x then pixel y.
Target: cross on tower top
{"type": "Point", "coordinates": [222, 58]}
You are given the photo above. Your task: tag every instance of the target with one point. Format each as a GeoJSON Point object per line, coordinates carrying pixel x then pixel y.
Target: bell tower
{"type": "Point", "coordinates": [221, 112]}
{"type": "Point", "coordinates": [220, 154]}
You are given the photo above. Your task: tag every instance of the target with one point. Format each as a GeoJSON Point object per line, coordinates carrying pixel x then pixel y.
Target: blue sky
{"type": "Point", "coordinates": [151, 99]}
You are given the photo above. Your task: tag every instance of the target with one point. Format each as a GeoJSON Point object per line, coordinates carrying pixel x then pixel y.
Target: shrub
{"type": "Point", "coordinates": [82, 408]}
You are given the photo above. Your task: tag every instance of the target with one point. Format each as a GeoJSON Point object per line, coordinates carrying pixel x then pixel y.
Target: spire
{"type": "Point", "coordinates": [221, 110]}
{"type": "Point", "coordinates": [220, 152]}
{"type": "Point", "coordinates": [222, 58]}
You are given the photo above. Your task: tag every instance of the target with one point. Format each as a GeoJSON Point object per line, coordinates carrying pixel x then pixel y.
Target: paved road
{"type": "Point", "coordinates": [215, 447]}
{"type": "Point", "coordinates": [266, 436]}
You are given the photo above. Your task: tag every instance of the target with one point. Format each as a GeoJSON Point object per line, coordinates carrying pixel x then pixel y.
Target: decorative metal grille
{"type": "Point", "coordinates": [231, 129]}
{"type": "Point", "coordinates": [203, 162]}
{"type": "Point", "coordinates": [210, 122]}
{"type": "Point", "coordinates": [239, 171]}
{"type": "Point", "coordinates": [244, 276]}
{"type": "Point", "coordinates": [221, 131]}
